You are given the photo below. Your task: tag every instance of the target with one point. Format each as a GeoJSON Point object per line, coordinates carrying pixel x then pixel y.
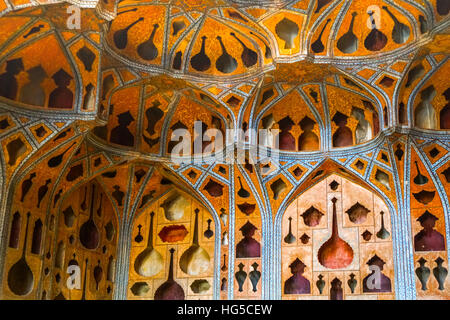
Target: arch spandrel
{"type": "Point", "coordinates": [357, 213]}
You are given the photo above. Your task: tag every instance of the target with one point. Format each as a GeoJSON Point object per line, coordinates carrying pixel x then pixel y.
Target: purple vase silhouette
{"type": "Point", "coordinates": [384, 284]}
{"type": "Point", "coordinates": [428, 239]}
{"type": "Point", "coordinates": [286, 139]}
{"type": "Point", "coordinates": [248, 247]}
{"type": "Point", "coordinates": [297, 284]}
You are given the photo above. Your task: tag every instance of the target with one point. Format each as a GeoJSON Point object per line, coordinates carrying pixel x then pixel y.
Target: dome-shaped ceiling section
{"type": "Point", "coordinates": [67, 81]}
{"type": "Point", "coordinates": [143, 115]}
{"type": "Point", "coordinates": [218, 42]}
{"type": "Point", "coordinates": [358, 30]}
{"type": "Point", "coordinates": [305, 113]}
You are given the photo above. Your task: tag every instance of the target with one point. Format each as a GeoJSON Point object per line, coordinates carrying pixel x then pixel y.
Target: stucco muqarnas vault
{"type": "Point", "coordinates": [359, 94]}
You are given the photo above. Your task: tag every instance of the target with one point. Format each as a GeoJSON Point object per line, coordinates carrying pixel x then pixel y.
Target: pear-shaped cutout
{"type": "Point", "coordinates": [195, 260]}
{"type": "Point", "coordinates": [174, 207]}
{"type": "Point", "coordinates": [149, 262]}
{"type": "Point", "coordinates": [335, 253]}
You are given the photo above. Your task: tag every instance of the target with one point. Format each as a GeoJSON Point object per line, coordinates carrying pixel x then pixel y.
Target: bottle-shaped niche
{"type": "Point", "coordinates": [224, 265]}
{"type": "Point", "coordinates": [147, 50]}
{"type": "Point", "coordinates": [111, 269]}
{"type": "Point", "coordinates": [440, 273]}
{"type": "Point", "coordinates": [201, 61]}
{"type": "Point", "coordinates": [428, 239]}
{"type": "Point", "coordinates": [348, 42]}
{"type": "Point", "coordinates": [8, 81]}
{"type": "Point", "coordinates": [249, 57]}
{"type": "Point", "coordinates": [297, 283]}
{"type": "Point", "coordinates": [254, 276]}
{"type": "Point", "coordinates": [442, 7]}
{"type": "Point", "coordinates": [86, 270]}
{"type": "Point", "coordinates": [242, 192]}
{"type": "Point", "coordinates": [248, 247]}
{"type": "Point", "coordinates": [241, 275]}
{"type": "Point", "coordinates": [32, 92]}
{"type": "Point", "coordinates": [423, 273]}
{"type": "Point", "coordinates": [195, 260]}
{"type": "Point", "coordinates": [224, 240]}
{"type": "Point", "coordinates": [14, 235]}
{"type": "Point", "coordinates": [267, 138]}
{"type": "Point", "coordinates": [343, 136]}
{"type": "Point", "coordinates": [223, 216]}
{"type": "Point", "coordinates": [170, 290]}
{"type": "Point", "coordinates": [149, 262]}
{"type": "Point", "coordinates": [42, 191]}
{"type": "Point", "coordinates": [320, 284]}
{"type": "Point", "coordinates": [153, 115]}
{"type": "Point", "coordinates": [352, 282]}
{"type": "Point", "coordinates": [400, 32]}
{"type": "Point", "coordinates": [335, 253]}
{"type": "Point", "coordinates": [376, 40]}
{"type": "Point", "coordinates": [208, 232]}
{"type": "Point", "coordinates": [20, 276]}
{"type": "Point", "coordinates": [382, 233]}
{"type": "Point", "coordinates": [121, 134]}
{"type": "Point", "coordinates": [26, 185]}
{"type": "Point", "coordinates": [121, 36]}
{"type": "Point", "coordinates": [98, 274]}
{"type": "Point", "coordinates": [419, 179]}
{"type": "Point", "coordinates": [308, 140]}
{"type": "Point", "coordinates": [363, 130]}
{"type": "Point", "coordinates": [376, 281]}
{"type": "Point", "coordinates": [285, 139]}
{"type": "Point", "coordinates": [61, 97]}
{"type": "Point", "coordinates": [336, 291]}
{"type": "Point", "coordinates": [225, 63]}
{"type": "Point", "coordinates": [89, 234]}
{"type": "Point", "coordinates": [317, 46]}
{"type": "Point", "coordinates": [223, 286]}
{"type": "Point", "coordinates": [424, 114]}
{"type": "Point", "coordinates": [290, 238]}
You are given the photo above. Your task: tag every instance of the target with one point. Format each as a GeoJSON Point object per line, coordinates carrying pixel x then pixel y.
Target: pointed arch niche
{"type": "Point", "coordinates": [331, 235]}
{"type": "Point", "coordinates": [172, 250]}
{"type": "Point", "coordinates": [86, 236]}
